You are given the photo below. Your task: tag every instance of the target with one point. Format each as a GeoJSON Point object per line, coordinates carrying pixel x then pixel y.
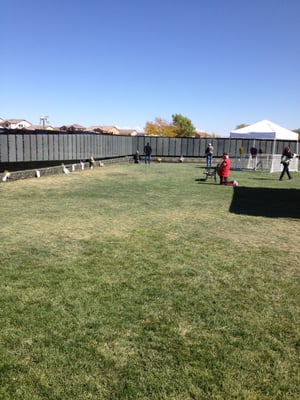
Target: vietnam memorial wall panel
{"type": "Point", "coordinates": [166, 146]}
{"type": "Point", "coordinates": [81, 147]}
{"type": "Point", "coordinates": [50, 147]}
{"type": "Point", "coordinates": [229, 147]}
{"type": "Point", "coordinates": [63, 146]}
{"type": "Point", "coordinates": [97, 146]}
{"type": "Point", "coordinates": [134, 145]}
{"type": "Point", "coordinates": [190, 146]}
{"type": "Point", "coordinates": [117, 147]}
{"type": "Point", "coordinates": [121, 146]}
{"type": "Point", "coordinates": [74, 149]}
{"type": "Point", "coordinates": [139, 145]}
{"type": "Point", "coordinates": [45, 146]}
{"type": "Point", "coordinates": [106, 146]}
{"type": "Point", "coordinates": [219, 146]}
{"type": "Point", "coordinates": [113, 146]}
{"type": "Point", "coordinates": [172, 151]}
{"type": "Point", "coordinates": [90, 150]}
{"type": "Point", "coordinates": [19, 147]}
{"type": "Point", "coordinates": [56, 147]}
{"type": "Point", "coordinates": [130, 145]}
{"type": "Point", "coordinates": [78, 150]}
{"type": "Point", "coordinates": [197, 142]}
{"type": "Point", "coordinates": [100, 146]}
{"type": "Point", "coordinates": [178, 151]}
{"type": "Point", "coordinates": [93, 146]}
{"type": "Point", "coordinates": [12, 148]}
{"type": "Point", "coordinates": [33, 149]}
{"type": "Point", "coordinates": [183, 147]}
{"type": "Point", "coordinates": [39, 147]}
{"type": "Point", "coordinates": [3, 147]}
{"type": "Point", "coordinates": [60, 147]}
{"type": "Point", "coordinates": [93, 141]}
{"type": "Point", "coordinates": [86, 146]}
{"type": "Point", "coordinates": [65, 152]}
{"type": "Point", "coordinates": [194, 143]}
{"type": "Point", "coordinates": [26, 144]}
{"type": "Point", "coordinates": [159, 147]}
{"type": "Point", "coordinates": [115, 140]}
{"type": "Point", "coordinates": [125, 148]}
{"type": "Point", "coordinates": [203, 146]}
{"type": "Point", "coordinates": [70, 147]}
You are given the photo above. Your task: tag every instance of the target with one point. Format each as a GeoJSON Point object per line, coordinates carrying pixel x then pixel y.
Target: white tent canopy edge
{"type": "Point", "coordinates": [264, 130]}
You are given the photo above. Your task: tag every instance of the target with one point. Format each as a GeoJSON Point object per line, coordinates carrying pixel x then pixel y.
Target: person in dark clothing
{"type": "Point", "coordinates": [285, 161]}
{"type": "Point", "coordinates": [147, 151]}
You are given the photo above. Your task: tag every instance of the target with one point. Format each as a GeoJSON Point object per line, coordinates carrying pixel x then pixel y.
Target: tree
{"type": "Point", "coordinates": [160, 127]}
{"type": "Point", "coordinates": [184, 126]}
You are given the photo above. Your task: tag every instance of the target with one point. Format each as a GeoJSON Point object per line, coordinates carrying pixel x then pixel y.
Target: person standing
{"type": "Point", "coordinates": [285, 161]}
{"type": "Point", "coordinates": [148, 152]}
{"type": "Point", "coordinates": [209, 155]}
{"type": "Point", "coordinates": [253, 152]}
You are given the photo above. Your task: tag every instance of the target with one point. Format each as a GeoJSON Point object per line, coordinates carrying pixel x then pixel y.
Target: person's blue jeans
{"type": "Point", "coordinates": [209, 160]}
{"type": "Point", "coordinates": [148, 159]}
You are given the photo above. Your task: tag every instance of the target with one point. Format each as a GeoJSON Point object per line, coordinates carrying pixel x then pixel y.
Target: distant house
{"type": "Point", "coordinates": [14, 124]}
{"type": "Point", "coordinates": [200, 134]}
{"type": "Point", "coordinates": [40, 128]}
{"type": "Point", "coordinates": [72, 128]}
{"type": "Point", "coordinates": [128, 132]}
{"type": "Point", "coordinates": [104, 129]}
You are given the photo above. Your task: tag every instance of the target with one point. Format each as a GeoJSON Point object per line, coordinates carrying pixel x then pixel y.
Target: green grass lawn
{"type": "Point", "coordinates": [145, 282]}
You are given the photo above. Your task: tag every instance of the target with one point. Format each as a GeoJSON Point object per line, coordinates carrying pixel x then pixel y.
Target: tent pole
{"type": "Point", "coordinates": [273, 152]}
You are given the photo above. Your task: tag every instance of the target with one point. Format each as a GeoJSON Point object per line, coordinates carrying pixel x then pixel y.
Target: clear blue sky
{"type": "Point", "coordinates": [125, 62]}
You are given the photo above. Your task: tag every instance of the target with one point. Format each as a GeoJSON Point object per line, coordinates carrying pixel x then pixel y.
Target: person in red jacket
{"type": "Point", "coordinates": [224, 171]}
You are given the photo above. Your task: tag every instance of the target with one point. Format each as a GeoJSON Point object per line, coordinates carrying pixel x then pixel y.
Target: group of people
{"type": "Point", "coordinates": [147, 152]}
{"type": "Point", "coordinates": [223, 168]}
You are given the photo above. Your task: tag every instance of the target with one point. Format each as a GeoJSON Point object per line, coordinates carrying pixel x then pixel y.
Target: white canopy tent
{"type": "Point", "coordinates": [268, 130]}
{"type": "Point", "coordinates": [264, 130]}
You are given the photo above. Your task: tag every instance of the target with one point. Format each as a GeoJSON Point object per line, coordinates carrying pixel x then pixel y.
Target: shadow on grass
{"type": "Point", "coordinates": [207, 180]}
{"type": "Point", "coordinates": [266, 202]}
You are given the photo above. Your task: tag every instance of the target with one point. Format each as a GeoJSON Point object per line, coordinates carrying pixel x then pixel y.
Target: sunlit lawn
{"type": "Point", "coordinates": [141, 282]}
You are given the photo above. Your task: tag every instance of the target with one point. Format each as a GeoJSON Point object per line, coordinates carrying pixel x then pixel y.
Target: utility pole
{"type": "Point", "coordinates": [44, 120]}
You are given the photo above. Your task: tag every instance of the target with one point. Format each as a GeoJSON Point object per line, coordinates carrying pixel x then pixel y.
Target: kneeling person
{"type": "Point", "coordinates": [223, 171]}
